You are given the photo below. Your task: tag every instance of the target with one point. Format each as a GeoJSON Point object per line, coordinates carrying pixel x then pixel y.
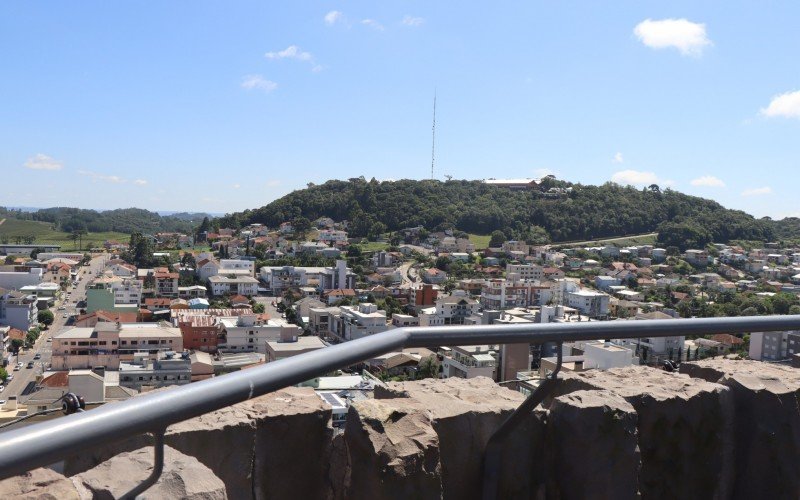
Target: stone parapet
{"type": "Point", "coordinates": [722, 429]}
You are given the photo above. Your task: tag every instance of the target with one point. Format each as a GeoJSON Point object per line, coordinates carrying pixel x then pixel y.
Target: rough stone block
{"type": "Point", "coordinates": [394, 451]}
{"type": "Point", "coordinates": [766, 424]}
{"type": "Point", "coordinates": [592, 447]}
{"type": "Point", "coordinates": [256, 447]}
{"type": "Point", "coordinates": [183, 477]}
{"type": "Point", "coordinates": [465, 413]}
{"type": "Point", "coordinates": [39, 484]}
{"type": "Point", "coordinates": [685, 429]}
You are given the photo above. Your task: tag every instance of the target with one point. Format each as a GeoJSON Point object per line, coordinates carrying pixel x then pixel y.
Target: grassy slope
{"type": "Point", "coordinates": [480, 240]}
{"type": "Point", "coordinates": [45, 233]}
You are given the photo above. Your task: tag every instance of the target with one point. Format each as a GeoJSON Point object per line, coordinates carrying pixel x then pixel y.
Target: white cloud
{"type": "Point", "coordinates": [290, 52]}
{"type": "Point", "coordinates": [757, 191]}
{"type": "Point", "coordinates": [140, 182]}
{"type": "Point", "coordinates": [707, 181]}
{"type": "Point", "coordinates": [688, 37]}
{"type": "Point", "coordinates": [637, 178]}
{"type": "Point", "coordinates": [114, 179]}
{"type": "Point", "coordinates": [43, 162]}
{"type": "Point", "coordinates": [258, 82]}
{"type": "Point", "coordinates": [372, 24]}
{"type": "Point", "coordinates": [333, 17]}
{"type": "Point", "coordinates": [786, 105]}
{"type": "Point", "coordinates": [237, 186]}
{"type": "Point", "coordinates": [618, 158]}
{"type": "Point", "coordinates": [413, 21]}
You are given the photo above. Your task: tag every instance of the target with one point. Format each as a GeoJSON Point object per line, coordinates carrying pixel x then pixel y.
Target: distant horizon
{"type": "Point", "coordinates": [159, 212]}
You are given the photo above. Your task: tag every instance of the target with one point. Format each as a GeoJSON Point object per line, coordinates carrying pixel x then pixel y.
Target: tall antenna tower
{"type": "Point", "coordinates": [433, 138]}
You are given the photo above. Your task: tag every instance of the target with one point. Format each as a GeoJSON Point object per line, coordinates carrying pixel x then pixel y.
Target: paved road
{"type": "Point", "coordinates": [25, 375]}
{"type": "Point", "coordinates": [268, 307]}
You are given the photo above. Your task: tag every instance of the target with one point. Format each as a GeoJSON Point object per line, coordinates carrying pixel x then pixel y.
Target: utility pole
{"type": "Point", "coordinates": [433, 139]}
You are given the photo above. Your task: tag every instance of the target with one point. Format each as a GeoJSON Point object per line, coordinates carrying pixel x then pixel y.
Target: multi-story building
{"type": "Point", "coordinates": [166, 282]}
{"type": "Point", "coordinates": [452, 310]}
{"type": "Point", "coordinates": [14, 280]}
{"type": "Point", "coordinates": [506, 294]}
{"type": "Point", "coordinates": [18, 310]}
{"type": "Point", "coordinates": [199, 333]}
{"type": "Point", "coordinates": [114, 293]}
{"type": "Point", "coordinates": [774, 346]}
{"type": "Point", "coordinates": [528, 272]}
{"type": "Point", "coordinates": [250, 333]}
{"type": "Point", "coordinates": [339, 277]}
{"type": "Point", "coordinates": [355, 322]}
{"type": "Point", "coordinates": [469, 361]}
{"type": "Point", "coordinates": [108, 343]}
{"type": "Point", "coordinates": [588, 302]}
{"type": "Point", "coordinates": [233, 285]}
{"type": "Point", "coordinates": [278, 279]}
{"type": "Point", "coordinates": [143, 371]}
{"type": "Point", "coordinates": [423, 295]}
{"type": "Point", "coordinates": [332, 235]}
{"type": "Point", "coordinates": [237, 267]}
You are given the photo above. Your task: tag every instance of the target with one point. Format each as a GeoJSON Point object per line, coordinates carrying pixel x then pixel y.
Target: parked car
{"type": "Point", "coordinates": [30, 364]}
{"type": "Point", "coordinates": [10, 377]}
{"type": "Point", "coordinates": [37, 356]}
{"type": "Point", "coordinates": [2, 388]}
{"type": "Point", "coordinates": [16, 368]}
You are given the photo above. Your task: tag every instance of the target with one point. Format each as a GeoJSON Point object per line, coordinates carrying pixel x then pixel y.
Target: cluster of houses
{"type": "Point", "coordinates": [141, 329]}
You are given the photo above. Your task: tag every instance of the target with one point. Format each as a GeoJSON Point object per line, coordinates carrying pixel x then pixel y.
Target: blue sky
{"type": "Point", "coordinates": [221, 106]}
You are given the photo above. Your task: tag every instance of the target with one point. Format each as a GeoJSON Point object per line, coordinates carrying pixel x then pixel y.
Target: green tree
{"type": "Point", "coordinates": [301, 226]}
{"type": "Point", "coordinates": [497, 239]}
{"type": "Point", "coordinates": [795, 309]}
{"type": "Point", "coordinates": [428, 368]}
{"type": "Point", "coordinates": [45, 316]}
{"type": "Point", "coordinates": [3, 374]}
{"type": "Point", "coordinates": [16, 345]}
{"type": "Point", "coordinates": [258, 308]}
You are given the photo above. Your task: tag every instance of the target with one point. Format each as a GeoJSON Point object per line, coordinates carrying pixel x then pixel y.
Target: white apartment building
{"type": "Point", "coordinates": [509, 293]}
{"type": "Point", "coordinates": [13, 280]}
{"type": "Point", "coordinates": [237, 267]}
{"type": "Point", "coordinates": [332, 235]}
{"type": "Point", "coordinates": [470, 361]}
{"type": "Point", "coordinates": [278, 278]}
{"type": "Point", "coordinates": [355, 322]}
{"type": "Point", "coordinates": [18, 310]}
{"type": "Point", "coordinates": [529, 272]}
{"type": "Point", "coordinates": [588, 302]}
{"type": "Point", "coordinates": [247, 333]}
{"type": "Point", "coordinates": [228, 285]}
{"type": "Point", "coordinates": [452, 310]}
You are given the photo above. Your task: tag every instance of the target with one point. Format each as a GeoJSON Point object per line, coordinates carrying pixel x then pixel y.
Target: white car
{"type": "Point", "coordinates": [10, 377]}
{"type": "Point", "coordinates": [2, 388]}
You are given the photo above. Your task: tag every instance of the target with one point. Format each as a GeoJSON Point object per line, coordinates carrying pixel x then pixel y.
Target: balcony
{"type": "Point", "coordinates": [719, 429]}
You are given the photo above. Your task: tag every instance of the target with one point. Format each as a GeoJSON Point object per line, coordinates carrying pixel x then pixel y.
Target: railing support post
{"type": "Point", "coordinates": [494, 447]}
{"type": "Point", "coordinates": [158, 468]}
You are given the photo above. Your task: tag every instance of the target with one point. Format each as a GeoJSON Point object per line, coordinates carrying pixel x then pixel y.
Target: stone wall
{"type": "Point", "coordinates": [721, 429]}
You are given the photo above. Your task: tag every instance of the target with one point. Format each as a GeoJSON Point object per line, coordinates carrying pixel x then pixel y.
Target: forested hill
{"type": "Point", "coordinates": [124, 220]}
{"type": "Point", "coordinates": [579, 213]}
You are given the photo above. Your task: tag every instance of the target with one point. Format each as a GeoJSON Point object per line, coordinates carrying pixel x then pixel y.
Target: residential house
{"type": "Point", "coordinates": [433, 276]}
{"type": "Point", "coordinates": [451, 310]}
{"type": "Point", "coordinates": [469, 361]}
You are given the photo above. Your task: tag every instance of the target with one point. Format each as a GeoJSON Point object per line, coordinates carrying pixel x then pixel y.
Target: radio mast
{"type": "Point", "coordinates": [433, 138]}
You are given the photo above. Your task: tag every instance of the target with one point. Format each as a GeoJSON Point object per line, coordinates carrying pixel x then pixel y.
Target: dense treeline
{"type": "Point", "coordinates": [124, 220]}
{"type": "Point", "coordinates": [582, 213]}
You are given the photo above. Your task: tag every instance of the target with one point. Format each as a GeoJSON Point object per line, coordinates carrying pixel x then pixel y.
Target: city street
{"type": "Point", "coordinates": [26, 376]}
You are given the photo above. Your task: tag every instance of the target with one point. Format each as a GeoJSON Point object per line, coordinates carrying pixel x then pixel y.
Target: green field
{"type": "Point", "coordinates": [480, 241]}
{"type": "Point", "coordinates": [374, 246]}
{"type": "Point", "coordinates": [44, 233]}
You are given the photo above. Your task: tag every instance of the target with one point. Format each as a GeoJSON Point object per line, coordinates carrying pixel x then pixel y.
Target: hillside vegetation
{"type": "Point", "coordinates": [125, 220]}
{"type": "Point", "coordinates": [584, 213]}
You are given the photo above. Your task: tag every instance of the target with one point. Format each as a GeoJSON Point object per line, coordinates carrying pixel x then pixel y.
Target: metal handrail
{"type": "Point", "coordinates": [48, 442]}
